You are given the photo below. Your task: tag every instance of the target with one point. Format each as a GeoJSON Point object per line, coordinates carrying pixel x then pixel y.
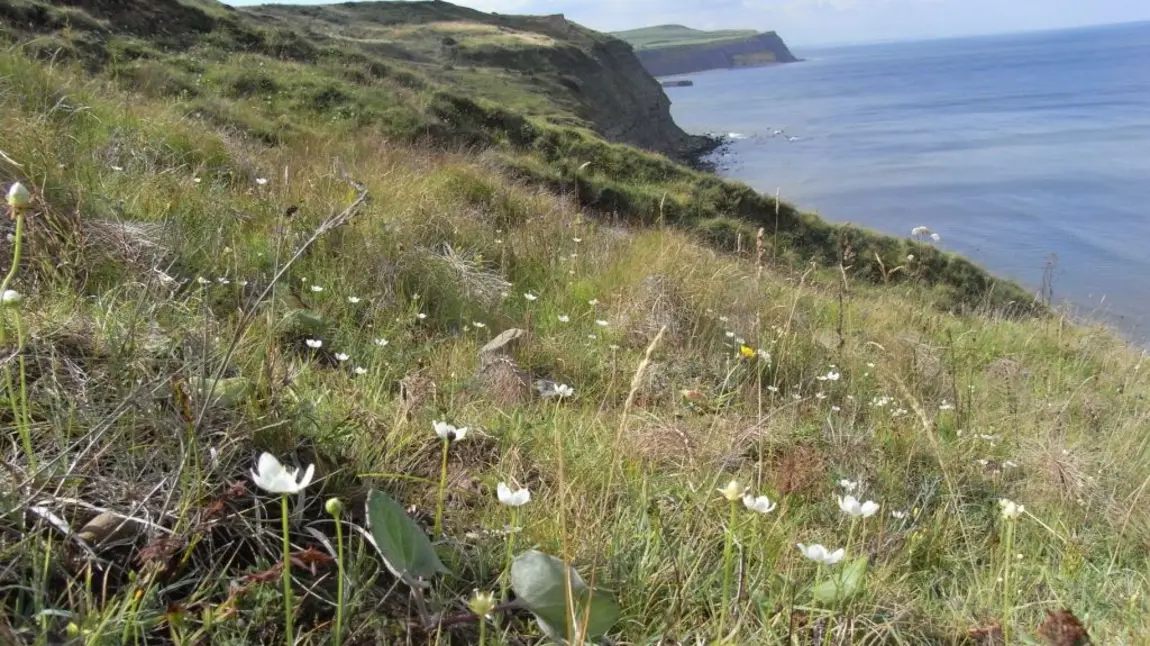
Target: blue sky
{"type": "Point", "coordinates": [803, 22]}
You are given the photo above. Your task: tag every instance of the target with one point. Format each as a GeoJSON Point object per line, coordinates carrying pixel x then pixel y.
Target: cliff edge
{"type": "Point", "coordinates": [673, 49]}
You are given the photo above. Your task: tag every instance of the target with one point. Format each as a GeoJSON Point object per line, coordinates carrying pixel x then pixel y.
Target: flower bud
{"type": "Point", "coordinates": [18, 196]}
{"type": "Point", "coordinates": [334, 506]}
{"type": "Point", "coordinates": [11, 298]}
{"type": "Point", "coordinates": [482, 603]}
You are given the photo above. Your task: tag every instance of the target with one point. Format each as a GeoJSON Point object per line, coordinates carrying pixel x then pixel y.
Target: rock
{"type": "Point", "coordinates": [504, 344]}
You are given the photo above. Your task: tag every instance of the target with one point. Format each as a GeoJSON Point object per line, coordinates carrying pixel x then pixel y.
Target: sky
{"type": "Point", "coordinates": [822, 22]}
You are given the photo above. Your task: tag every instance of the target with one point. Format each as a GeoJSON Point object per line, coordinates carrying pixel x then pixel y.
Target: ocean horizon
{"type": "Point", "coordinates": [1028, 153]}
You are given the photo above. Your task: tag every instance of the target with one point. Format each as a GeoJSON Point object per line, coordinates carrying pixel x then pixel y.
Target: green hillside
{"type": "Point", "coordinates": [673, 35]}
{"type": "Point", "coordinates": [325, 232]}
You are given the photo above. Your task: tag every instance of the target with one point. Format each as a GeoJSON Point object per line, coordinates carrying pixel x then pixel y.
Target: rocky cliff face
{"type": "Point", "coordinates": [762, 49]}
{"type": "Point", "coordinates": [606, 83]}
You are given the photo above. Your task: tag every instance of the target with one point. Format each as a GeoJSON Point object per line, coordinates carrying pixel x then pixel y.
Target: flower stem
{"type": "Point", "coordinates": [339, 588]}
{"type": "Point", "coordinates": [510, 554]}
{"type": "Point", "coordinates": [482, 631]}
{"type": "Point", "coordinates": [728, 555]}
{"type": "Point", "coordinates": [289, 614]}
{"type": "Point", "coordinates": [21, 418]}
{"type": "Point", "coordinates": [442, 489]}
{"type": "Point", "coordinates": [1006, 604]}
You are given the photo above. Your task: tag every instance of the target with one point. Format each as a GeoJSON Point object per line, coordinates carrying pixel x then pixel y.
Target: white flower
{"type": "Point", "coordinates": [530, 297]}
{"type": "Point", "coordinates": [830, 376]}
{"type": "Point", "coordinates": [920, 231]}
{"type": "Point", "coordinates": [381, 342]}
{"type": "Point", "coordinates": [421, 316]}
{"type": "Point", "coordinates": [479, 324]}
{"type": "Point", "coordinates": [733, 491]}
{"type": "Point", "coordinates": [203, 281]}
{"type": "Point", "coordinates": [761, 504]}
{"type": "Point", "coordinates": [855, 509]}
{"type": "Point", "coordinates": [763, 355]}
{"type": "Point", "coordinates": [945, 405]}
{"type": "Point", "coordinates": [613, 347]}
{"type": "Point", "coordinates": [316, 288]}
{"type": "Point", "coordinates": [314, 344]}
{"type": "Point", "coordinates": [601, 323]}
{"type": "Point", "coordinates": [117, 168]}
{"type": "Point", "coordinates": [819, 554]}
{"type": "Point", "coordinates": [273, 477]}
{"type": "Point", "coordinates": [593, 302]}
{"type": "Point", "coordinates": [18, 196]}
{"type": "Point", "coordinates": [936, 237]}
{"type": "Point", "coordinates": [341, 357]}
{"type": "Point", "coordinates": [511, 498]}
{"type": "Point", "coordinates": [11, 297]}
{"type": "Point", "coordinates": [563, 318]}
{"type": "Point", "coordinates": [354, 300]}
{"type": "Point", "coordinates": [562, 391]}
{"type": "Point", "coordinates": [898, 514]}
{"type": "Point", "coordinates": [261, 181]}
{"type": "Point", "coordinates": [360, 370]}
{"type": "Point", "coordinates": [448, 432]}
{"type": "Point", "coordinates": [197, 180]}
{"type": "Point", "coordinates": [577, 240]}
{"type": "Point", "coordinates": [730, 335]}
{"type": "Point", "coordinates": [1010, 509]}
{"type": "Point", "coordinates": [724, 319]}
{"type": "Point", "coordinates": [223, 281]}
{"type": "Point", "coordinates": [848, 485]}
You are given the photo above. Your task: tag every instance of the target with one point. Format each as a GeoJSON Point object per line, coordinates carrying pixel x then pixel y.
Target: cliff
{"type": "Point", "coordinates": [543, 67]}
{"type": "Point", "coordinates": [685, 52]}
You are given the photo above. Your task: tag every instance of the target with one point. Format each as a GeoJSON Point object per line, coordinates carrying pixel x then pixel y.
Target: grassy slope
{"type": "Point", "coordinates": [112, 350]}
{"type": "Point", "coordinates": [675, 35]}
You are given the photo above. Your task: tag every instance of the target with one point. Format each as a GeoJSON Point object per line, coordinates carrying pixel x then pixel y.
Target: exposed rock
{"type": "Point", "coordinates": [504, 344]}
{"type": "Point", "coordinates": [761, 49]}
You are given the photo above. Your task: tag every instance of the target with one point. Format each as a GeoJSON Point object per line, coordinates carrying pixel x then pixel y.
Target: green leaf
{"type": "Point", "coordinates": [404, 546]}
{"type": "Point", "coordinates": [539, 581]}
{"type": "Point", "coordinates": [226, 392]}
{"type": "Point", "coordinates": [302, 322]}
{"type": "Point", "coordinates": [842, 585]}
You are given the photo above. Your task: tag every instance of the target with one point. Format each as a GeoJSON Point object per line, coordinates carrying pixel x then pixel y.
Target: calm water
{"type": "Point", "coordinates": [1010, 147]}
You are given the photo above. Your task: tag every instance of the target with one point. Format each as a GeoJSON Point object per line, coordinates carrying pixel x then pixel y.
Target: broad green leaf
{"type": "Point", "coordinates": [843, 584]}
{"type": "Point", "coordinates": [226, 392]}
{"type": "Point", "coordinates": [302, 322]}
{"type": "Point", "coordinates": [539, 581]}
{"type": "Point", "coordinates": [404, 546]}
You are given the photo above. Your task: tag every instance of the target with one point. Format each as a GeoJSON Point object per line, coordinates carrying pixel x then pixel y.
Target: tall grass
{"type": "Point", "coordinates": [151, 392]}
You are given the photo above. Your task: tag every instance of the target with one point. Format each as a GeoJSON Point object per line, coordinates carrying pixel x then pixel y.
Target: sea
{"type": "Point", "coordinates": [1028, 153]}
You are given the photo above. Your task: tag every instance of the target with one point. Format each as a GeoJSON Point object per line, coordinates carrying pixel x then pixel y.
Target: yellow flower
{"type": "Point", "coordinates": [747, 351]}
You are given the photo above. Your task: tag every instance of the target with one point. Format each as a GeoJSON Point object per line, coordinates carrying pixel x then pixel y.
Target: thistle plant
{"type": "Point", "coordinates": [482, 603]}
{"type": "Point", "coordinates": [273, 477]}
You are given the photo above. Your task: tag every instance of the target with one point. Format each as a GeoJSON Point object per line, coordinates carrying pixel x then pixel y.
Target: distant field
{"type": "Point", "coordinates": [673, 35]}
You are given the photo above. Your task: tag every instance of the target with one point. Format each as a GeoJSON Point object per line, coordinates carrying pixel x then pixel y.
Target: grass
{"type": "Point", "coordinates": [151, 392]}
{"type": "Point", "coordinates": [662, 36]}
